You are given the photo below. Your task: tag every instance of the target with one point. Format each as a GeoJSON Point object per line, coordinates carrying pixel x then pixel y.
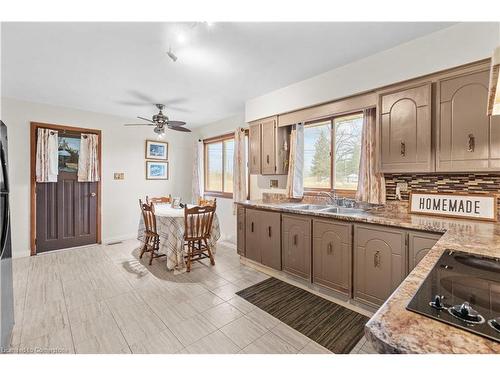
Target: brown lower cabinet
{"type": "Point", "coordinates": [296, 242]}
{"type": "Point", "coordinates": [332, 255]}
{"type": "Point", "coordinates": [419, 244]}
{"type": "Point", "coordinates": [379, 262]}
{"type": "Point", "coordinates": [240, 231]}
{"type": "Point", "coordinates": [263, 237]}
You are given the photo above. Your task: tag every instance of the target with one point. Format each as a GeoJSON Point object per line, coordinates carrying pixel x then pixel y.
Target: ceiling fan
{"type": "Point", "coordinates": [161, 121]}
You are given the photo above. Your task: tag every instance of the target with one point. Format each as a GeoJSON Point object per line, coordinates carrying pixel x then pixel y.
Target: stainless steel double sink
{"type": "Point", "coordinates": [325, 208]}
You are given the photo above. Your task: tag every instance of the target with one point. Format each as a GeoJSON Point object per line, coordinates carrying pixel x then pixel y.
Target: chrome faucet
{"type": "Point", "coordinates": [333, 197]}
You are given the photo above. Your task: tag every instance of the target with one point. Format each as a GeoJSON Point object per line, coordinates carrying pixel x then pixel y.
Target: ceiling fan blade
{"type": "Point", "coordinates": [144, 97]}
{"type": "Point", "coordinates": [145, 119]}
{"type": "Point", "coordinates": [176, 123]}
{"type": "Point", "coordinates": [138, 125]}
{"type": "Point", "coordinates": [179, 129]}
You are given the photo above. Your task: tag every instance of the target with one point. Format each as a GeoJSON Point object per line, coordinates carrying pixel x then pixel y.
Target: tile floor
{"type": "Point", "coordinates": [103, 299]}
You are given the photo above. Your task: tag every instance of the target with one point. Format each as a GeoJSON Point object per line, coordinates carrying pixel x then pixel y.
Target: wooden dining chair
{"type": "Point", "coordinates": [151, 236]}
{"type": "Point", "coordinates": [197, 232]}
{"type": "Point", "coordinates": [206, 202]}
{"type": "Point", "coordinates": [159, 199]}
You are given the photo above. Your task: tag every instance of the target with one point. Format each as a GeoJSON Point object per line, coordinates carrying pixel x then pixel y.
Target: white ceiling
{"type": "Point", "coordinates": [118, 68]}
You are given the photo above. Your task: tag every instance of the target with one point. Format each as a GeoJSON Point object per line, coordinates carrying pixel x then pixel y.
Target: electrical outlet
{"type": "Point", "coordinates": [402, 186]}
{"type": "Point", "coordinates": [273, 183]}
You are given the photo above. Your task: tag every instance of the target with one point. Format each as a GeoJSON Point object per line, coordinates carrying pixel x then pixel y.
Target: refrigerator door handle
{"type": "Point", "coordinates": [5, 226]}
{"type": "Point", "coordinates": [3, 163]}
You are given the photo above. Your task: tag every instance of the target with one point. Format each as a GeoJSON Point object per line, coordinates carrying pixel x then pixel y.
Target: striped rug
{"type": "Point", "coordinates": [330, 325]}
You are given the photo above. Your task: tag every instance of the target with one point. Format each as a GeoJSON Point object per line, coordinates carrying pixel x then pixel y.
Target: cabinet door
{"type": "Point", "coordinates": [419, 245]}
{"type": "Point", "coordinates": [268, 154]}
{"type": "Point", "coordinates": [332, 258]}
{"type": "Point", "coordinates": [282, 149]}
{"type": "Point", "coordinates": [468, 139]}
{"type": "Point", "coordinates": [296, 242]}
{"type": "Point", "coordinates": [270, 223]}
{"type": "Point", "coordinates": [254, 155]}
{"type": "Point", "coordinates": [406, 130]}
{"type": "Point", "coordinates": [240, 231]}
{"type": "Point", "coordinates": [252, 235]}
{"type": "Point", "coordinates": [379, 262]}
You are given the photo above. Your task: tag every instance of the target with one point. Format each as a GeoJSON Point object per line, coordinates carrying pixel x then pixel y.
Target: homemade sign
{"type": "Point", "coordinates": [472, 206]}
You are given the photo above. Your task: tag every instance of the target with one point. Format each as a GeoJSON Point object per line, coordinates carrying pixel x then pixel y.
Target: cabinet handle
{"type": "Point", "coordinates": [295, 240]}
{"type": "Point", "coordinates": [471, 144]}
{"type": "Point", "coordinates": [330, 248]}
{"type": "Point", "coordinates": [252, 226]}
{"type": "Point", "coordinates": [376, 259]}
{"type": "Point", "coordinates": [269, 231]}
{"type": "Point", "coordinates": [253, 160]}
{"type": "Point", "coordinates": [267, 159]}
{"type": "Point", "coordinates": [403, 148]}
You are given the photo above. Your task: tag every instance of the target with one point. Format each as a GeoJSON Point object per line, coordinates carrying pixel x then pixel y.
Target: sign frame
{"type": "Point", "coordinates": [493, 196]}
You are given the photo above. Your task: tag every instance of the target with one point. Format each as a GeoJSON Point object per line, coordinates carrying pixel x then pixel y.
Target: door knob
{"type": "Point", "coordinates": [92, 194]}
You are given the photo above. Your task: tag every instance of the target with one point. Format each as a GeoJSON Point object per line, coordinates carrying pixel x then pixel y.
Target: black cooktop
{"type": "Point", "coordinates": [462, 290]}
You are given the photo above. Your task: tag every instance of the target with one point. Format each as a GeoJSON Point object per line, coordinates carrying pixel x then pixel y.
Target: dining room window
{"type": "Point", "coordinates": [219, 160]}
{"type": "Point", "coordinates": [332, 151]}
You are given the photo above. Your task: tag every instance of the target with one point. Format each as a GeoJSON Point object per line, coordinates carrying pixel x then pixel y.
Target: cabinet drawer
{"type": "Point", "coordinates": [296, 246]}
{"type": "Point", "coordinates": [379, 262]}
{"type": "Point", "coordinates": [332, 255]}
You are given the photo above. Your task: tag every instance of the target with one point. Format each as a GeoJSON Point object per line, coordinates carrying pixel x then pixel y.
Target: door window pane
{"type": "Point", "coordinates": [69, 149]}
{"type": "Point", "coordinates": [317, 156]}
{"type": "Point", "coordinates": [347, 150]}
{"type": "Point", "coordinates": [228, 165]}
{"type": "Point", "coordinates": [214, 166]}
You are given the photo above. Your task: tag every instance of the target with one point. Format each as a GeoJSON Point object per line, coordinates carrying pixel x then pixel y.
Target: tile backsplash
{"type": "Point", "coordinates": [445, 183]}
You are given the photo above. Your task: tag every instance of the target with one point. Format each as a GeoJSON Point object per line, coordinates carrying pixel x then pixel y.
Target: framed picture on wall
{"type": "Point", "coordinates": [156, 150]}
{"type": "Point", "coordinates": [156, 170]}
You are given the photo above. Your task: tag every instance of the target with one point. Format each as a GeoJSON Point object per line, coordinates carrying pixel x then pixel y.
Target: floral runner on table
{"type": "Point", "coordinates": [170, 227]}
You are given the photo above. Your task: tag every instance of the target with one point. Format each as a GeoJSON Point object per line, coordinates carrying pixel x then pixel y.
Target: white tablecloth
{"type": "Point", "coordinates": [170, 227]}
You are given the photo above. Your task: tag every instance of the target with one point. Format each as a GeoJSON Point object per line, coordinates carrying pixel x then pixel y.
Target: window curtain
{"type": "Point", "coordinates": [295, 182]}
{"type": "Point", "coordinates": [47, 155]}
{"type": "Point", "coordinates": [371, 182]}
{"type": "Point", "coordinates": [239, 167]}
{"type": "Point", "coordinates": [198, 185]}
{"type": "Point", "coordinates": [88, 160]}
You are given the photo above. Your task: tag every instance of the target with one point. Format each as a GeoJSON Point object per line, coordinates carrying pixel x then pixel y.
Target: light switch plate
{"type": "Point", "coordinates": [119, 176]}
{"type": "Point", "coordinates": [273, 183]}
{"type": "Point", "coordinates": [402, 186]}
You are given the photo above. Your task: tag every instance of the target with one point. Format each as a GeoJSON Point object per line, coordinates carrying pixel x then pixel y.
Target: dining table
{"type": "Point", "coordinates": [170, 228]}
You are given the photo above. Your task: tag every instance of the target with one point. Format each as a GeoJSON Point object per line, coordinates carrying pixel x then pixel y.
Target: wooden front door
{"type": "Point", "coordinates": [66, 210]}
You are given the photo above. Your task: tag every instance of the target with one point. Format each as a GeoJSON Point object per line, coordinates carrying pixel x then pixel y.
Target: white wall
{"type": "Point", "coordinates": [460, 44]}
{"type": "Point", "coordinates": [122, 151]}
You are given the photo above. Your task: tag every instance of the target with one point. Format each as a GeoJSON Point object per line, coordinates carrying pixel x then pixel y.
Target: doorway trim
{"type": "Point", "coordinates": [60, 128]}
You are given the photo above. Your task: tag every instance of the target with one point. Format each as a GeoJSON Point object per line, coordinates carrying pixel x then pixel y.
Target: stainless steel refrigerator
{"type": "Point", "coordinates": [6, 287]}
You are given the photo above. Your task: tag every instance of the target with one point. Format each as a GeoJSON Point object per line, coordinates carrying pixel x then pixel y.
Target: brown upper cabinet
{"type": "Point", "coordinates": [468, 139]}
{"type": "Point", "coordinates": [405, 129]}
{"type": "Point", "coordinates": [254, 137]}
{"type": "Point", "coordinates": [268, 147]}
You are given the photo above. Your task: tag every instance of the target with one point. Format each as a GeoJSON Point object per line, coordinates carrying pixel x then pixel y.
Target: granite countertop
{"type": "Point", "coordinates": [393, 329]}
